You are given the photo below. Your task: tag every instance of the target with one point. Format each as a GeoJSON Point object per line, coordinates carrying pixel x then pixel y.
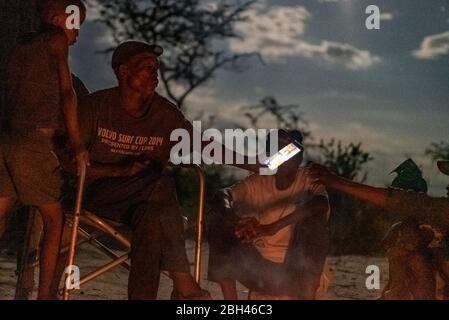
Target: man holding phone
{"type": "Point", "coordinates": [270, 232]}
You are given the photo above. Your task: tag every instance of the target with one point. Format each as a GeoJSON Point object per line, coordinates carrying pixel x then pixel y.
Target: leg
{"type": "Point", "coordinates": [399, 275]}
{"type": "Point", "coordinates": [34, 172]}
{"type": "Point", "coordinates": [6, 204]}
{"type": "Point", "coordinates": [222, 242]}
{"type": "Point", "coordinates": [174, 257]}
{"type": "Point", "coordinates": [127, 199]}
{"type": "Point", "coordinates": [7, 191]}
{"type": "Point", "coordinates": [231, 261]}
{"type": "Point", "coordinates": [143, 282]}
{"type": "Point", "coordinates": [229, 289]}
{"type": "Point", "coordinates": [53, 221]}
{"type": "Point", "coordinates": [307, 255]}
{"type": "Point", "coordinates": [423, 283]}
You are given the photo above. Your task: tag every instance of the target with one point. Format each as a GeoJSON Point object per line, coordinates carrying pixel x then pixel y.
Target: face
{"type": "Point", "coordinates": [291, 165]}
{"type": "Point", "coordinates": [141, 73]}
{"type": "Point", "coordinates": [71, 34]}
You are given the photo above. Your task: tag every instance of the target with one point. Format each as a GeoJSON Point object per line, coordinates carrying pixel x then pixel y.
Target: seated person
{"type": "Point", "coordinates": [127, 131]}
{"type": "Point", "coordinates": [270, 232]}
{"type": "Point", "coordinates": [404, 204]}
{"type": "Point", "coordinates": [411, 272]}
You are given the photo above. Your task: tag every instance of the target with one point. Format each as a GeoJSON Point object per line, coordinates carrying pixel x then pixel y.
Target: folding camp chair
{"type": "Point", "coordinates": [103, 225]}
{"type": "Point", "coordinates": [81, 223]}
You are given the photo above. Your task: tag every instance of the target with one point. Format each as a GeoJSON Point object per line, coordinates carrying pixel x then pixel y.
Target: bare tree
{"type": "Point", "coordinates": [288, 116]}
{"type": "Point", "coordinates": [192, 32]}
{"type": "Point", "coordinates": [345, 160]}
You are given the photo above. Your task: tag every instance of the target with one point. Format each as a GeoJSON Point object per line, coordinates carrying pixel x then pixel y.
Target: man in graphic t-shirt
{"type": "Point", "coordinates": [127, 132]}
{"type": "Point", "coordinates": [270, 232]}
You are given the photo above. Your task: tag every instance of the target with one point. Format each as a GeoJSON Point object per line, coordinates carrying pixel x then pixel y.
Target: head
{"type": "Point", "coordinates": [285, 137]}
{"type": "Point", "coordinates": [444, 168]}
{"type": "Point", "coordinates": [53, 13]}
{"type": "Point", "coordinates": [136, 65]}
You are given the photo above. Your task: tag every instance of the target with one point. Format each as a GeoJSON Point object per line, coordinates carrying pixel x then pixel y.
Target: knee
{"type": "Point", "coordinates": [146, 217]}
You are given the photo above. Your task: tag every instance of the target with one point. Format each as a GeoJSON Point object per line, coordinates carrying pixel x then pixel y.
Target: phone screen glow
{"type": "Point", "coordinates": [282, 156]}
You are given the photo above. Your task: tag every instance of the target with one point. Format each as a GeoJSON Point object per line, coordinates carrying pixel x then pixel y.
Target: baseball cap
{"type": "Point", "coordinates": [128, 49]}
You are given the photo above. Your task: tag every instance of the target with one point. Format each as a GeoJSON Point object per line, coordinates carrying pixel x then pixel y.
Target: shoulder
{"type": "Point", "coordinates": [167, 106]}
{"type": "Point", "coordinates": [313, 186]}
{"type": "Point", "coordinates": [98, 99]}
{"type": "Point", "coordinates": [99, 96]}
{"type": "Point", "coordinates": [80, 88]}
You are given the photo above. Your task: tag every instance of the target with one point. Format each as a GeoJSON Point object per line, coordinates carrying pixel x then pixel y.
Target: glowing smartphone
{"type": "Point", "coordinates": [283, 155]}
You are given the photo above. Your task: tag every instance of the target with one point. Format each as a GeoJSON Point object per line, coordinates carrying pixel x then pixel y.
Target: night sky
{"type": "Point", "coordinates": [387, 88]}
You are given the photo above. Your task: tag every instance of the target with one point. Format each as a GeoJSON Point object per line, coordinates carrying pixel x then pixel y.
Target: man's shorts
{"type": "Point", "coordinates": [29, 170]}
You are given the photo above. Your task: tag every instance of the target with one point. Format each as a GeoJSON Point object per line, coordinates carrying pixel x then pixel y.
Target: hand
{"type": "Point", "coordinates": [135, 167]}
{"type": "Point", "coordinates": [321, 174]}
{"type": "Point", "coordinates": [82, 159]}
{"type": "Point", "coordinates": [249, 229]}
{"type": "Point", "coordinates": [245, 229]}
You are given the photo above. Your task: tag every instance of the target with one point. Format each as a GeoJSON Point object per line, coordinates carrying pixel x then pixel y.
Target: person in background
{"type": "Point", "coordinates": [270, 233]}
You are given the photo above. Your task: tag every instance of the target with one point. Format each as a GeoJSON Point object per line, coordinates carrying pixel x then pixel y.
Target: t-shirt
{"type": "Point", "coordinates": [32, 86]}
{"type": "Point", "coordinates": [258, 196]}
{"type": "Point", "coordinates": [112, 136]}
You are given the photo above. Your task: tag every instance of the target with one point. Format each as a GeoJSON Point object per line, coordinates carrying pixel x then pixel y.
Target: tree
{"type": "Point", "coordinates": [192, 33]}
{"type": "Point", "coordinates": [438, 151]}
{"type": "Point", "coordinates": [346, 161]}
{"type": "Point", "coordinates": [289, 116]}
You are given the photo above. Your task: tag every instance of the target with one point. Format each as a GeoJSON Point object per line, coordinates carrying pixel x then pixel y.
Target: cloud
{"type": "Point", "coordinates": [433, 46]}
{"type": "Point", "coordinates": [336, 52]}
{"type": "Point", "coordinates": [386, 16]}
{"type": "Point", "coordinates": [276, 33]}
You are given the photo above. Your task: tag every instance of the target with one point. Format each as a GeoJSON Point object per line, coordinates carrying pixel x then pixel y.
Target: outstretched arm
{"type": "Point", "coordinates": [373, 195]}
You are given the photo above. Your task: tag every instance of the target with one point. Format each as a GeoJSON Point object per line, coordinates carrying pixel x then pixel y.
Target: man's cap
{"type": "Point", "coordinates": [444, 167]}
{"type": "Point", "coordinates": [128, 49]}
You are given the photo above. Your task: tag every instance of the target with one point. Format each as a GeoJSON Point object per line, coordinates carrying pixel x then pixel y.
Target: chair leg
{"type": "Point", "coordinates": [74, 231]}
{"type": "Point", "coordinates": [199, 238]}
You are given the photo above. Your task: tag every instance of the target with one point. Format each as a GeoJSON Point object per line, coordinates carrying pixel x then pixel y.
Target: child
{"type": "Point", "coordinates": [40, 103]}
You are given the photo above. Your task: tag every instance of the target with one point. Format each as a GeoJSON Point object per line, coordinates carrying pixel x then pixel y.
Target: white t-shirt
{"type": "Point", "coordinates": [259, 197]}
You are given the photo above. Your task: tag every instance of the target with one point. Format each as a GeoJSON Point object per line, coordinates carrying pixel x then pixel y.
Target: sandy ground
{"type": "Point", "coordinates": [347, 277]}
